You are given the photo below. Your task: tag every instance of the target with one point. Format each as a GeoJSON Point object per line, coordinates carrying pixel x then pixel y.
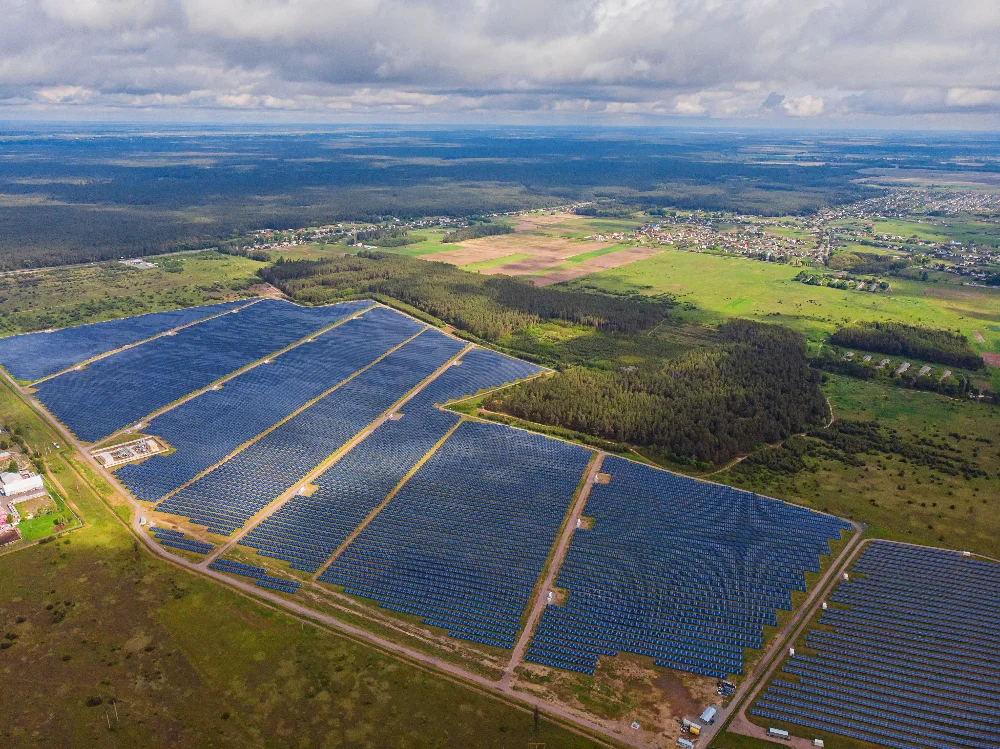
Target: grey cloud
{"type": "Point", "coordinates": [588, 59]}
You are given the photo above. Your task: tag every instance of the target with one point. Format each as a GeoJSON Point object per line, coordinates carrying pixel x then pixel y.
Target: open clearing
{"type": "Point", "coordinates": [595, 264]}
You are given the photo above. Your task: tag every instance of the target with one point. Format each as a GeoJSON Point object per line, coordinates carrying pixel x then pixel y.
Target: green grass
{"type": "Point", "coordinates": [496, 262]}
{"type": "Point", "coordinates": [727, 740]}
{"type": "Point", "coordinates": [188, 662]}
{"type": "Point", "coordinates": [931, 507]}
{"type": "Point", "coordinates": [61, 297]}
{"type": "Point", "coordinates": [44, 525]}
{"type": "Point", "coordinates": [721, 287]}
{"type": "Point", "coordinates": [942, 229]}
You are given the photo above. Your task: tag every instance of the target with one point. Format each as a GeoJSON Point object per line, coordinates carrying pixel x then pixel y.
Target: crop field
{"type": "Point", "coordinates": [904, 655]}
{"type": "Point", "coordinates": [723, 287]}
{"type": "Point", "coordinates": [549, 247]}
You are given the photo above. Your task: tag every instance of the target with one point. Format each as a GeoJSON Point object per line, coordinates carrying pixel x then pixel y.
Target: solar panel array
{"type": "Point", "coordinates": [683, 571]}
{"type": "Point", "coordinates": [308, 529]}
{"type": "Point", "coordinates": [177, 540]}
{"type": "Point", "coordinates": [226, 497]}
{"type": "Point", "coordinates": [258, 574]}
{"type": "Point", "coordinates": [463, 543]}
{"type": "Point", "coordinates": [35, 355]}
{"type": "Point", "coordinates": [120, 389]}
{"type": "Point", "coordinates": [206, 429]}
{"type": "Point", "coordinates": [908, 657]}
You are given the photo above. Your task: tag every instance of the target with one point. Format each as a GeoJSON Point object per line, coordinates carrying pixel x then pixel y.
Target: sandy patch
{"type": "Point", "coordinates": [595, 264]}
{"type": "Point", "coordinates": [978, 336]}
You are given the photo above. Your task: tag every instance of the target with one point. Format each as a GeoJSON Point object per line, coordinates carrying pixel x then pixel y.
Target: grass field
{"type": "Point", "coordinates": [60, 297]}
{"type": "Point", "coordinates": [100, 627]}
{"type": "Point", "coordinates": [721, 287]}
{"type": "Point", "coordinates": [898, 499]}
{"type": "Point", "coordinates": [942, 230]}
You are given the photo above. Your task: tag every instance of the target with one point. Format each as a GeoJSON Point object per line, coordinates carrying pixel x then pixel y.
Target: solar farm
{"type": "Point", "coordinates": [309, 449]}
{"type": "Point", "coordinates": [904, 655]}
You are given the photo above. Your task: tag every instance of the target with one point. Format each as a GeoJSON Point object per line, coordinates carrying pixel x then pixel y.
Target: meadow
{"type": "Point", "coordinates": [713, 288]}
{"type": "Point", "coordinates": [898, 498]}
{"type": "Point", "coordinates": [62, 297]}
{"type": "Point", "coordinates": [129, 650]}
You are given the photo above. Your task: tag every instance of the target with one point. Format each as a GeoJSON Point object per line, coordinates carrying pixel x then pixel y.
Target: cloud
{"type": "Point", "coordinates": [803, 106]}
{"type": "Point", "coordinates": [583, 60]}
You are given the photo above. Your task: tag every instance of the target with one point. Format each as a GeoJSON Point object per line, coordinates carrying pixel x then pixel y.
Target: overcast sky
{"type": "Point", "coordinates": [910, 63]}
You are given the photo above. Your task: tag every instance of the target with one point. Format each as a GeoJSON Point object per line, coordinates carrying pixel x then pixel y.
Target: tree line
{"type": "Point", "coordinates": [899, 339]}
{"type": "Point", "coordinates": [475, 232]}
{"type": "Point", "coordinates": [754, 387]}
{"type": "Point", "coordinates": [489, 307]}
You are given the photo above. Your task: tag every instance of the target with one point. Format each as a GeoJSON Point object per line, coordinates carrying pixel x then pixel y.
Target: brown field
{"type": "Point", "coordinates": [541, 220]}
{"type": "Point", "coordinates": [992, 360]}
{"type": "Point", "coordinates": [595, 264]}
{"type": "Point", "coordinates": [546, 251]}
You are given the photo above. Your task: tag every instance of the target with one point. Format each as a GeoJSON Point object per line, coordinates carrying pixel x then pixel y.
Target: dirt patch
{"type": "Point", "coordinates": [545, 252]}
{"type": "Point", "coordinates": [540, 220]}
{"type": "Point", "coordinates": [595, 264]}
{"type": "Point", "coordinates": [978, 336]}
{"type": "Point", "coordinates": [992, 360]}
{"type": "Point", "coordinates": [677, 695]}
{"type": "Point", "coordinates": [603, 478]}
{"type": "Point", "coordinates": [9, 537]}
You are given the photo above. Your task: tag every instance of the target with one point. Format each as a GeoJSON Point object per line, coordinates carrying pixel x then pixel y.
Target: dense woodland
{"type": "Point", "coordinates": [754, 387]}
{"type": "Point", "coordinates": [475, 232]}
{"type": "Point", "coordinates": [898, 339]}
{"type": "Point", "coordinates": [489, 307]}
{"type": "Point", "coordinates": [868, 263]}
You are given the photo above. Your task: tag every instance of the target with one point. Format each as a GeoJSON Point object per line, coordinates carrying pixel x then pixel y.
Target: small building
{"type": "Point", "coordinates": [19, 483]}
{"type": "Point", "coordinates": [709, 715]}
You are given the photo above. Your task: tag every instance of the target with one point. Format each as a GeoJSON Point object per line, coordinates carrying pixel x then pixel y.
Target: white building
{"type": "Point", "coordinates": [16, 483]}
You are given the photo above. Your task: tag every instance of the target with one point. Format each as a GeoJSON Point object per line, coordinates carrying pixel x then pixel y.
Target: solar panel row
{"type": "Point", "coordinates": [908, 656]}
{"type": "Point", "coordinates": [226, 497]}
{"type": "Point", "coordinates": [683, 571]}
{"type": "Point", "coordinates": [464, 541]}
{"type": "Point", "coordinates": [206, 429]}
{"type": "Point", "coordinates": [35, 355]}
{"type": "Point", "coordinates": [114, 392]}
{"type": "Point", "coordinates": [308, 529]}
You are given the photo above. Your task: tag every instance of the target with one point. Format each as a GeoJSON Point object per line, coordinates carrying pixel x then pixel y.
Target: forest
{"type": "Point", "coordinates": [71, 194]}
{"type": "Point", "coordinates": [754, 387]}
{"type": "Point", "coordinates": [899, 339]}
{"type": "Point", "coordinates": [476, 231]}
{"type": "Point", "coordinates": [488, 307]}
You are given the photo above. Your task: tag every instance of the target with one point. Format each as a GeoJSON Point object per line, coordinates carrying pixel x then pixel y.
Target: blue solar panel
{"type": "Point", "coordinates": [226, 497]}
{"type": "Point", "coordinates": [206, 429]}
{"type": "Point", "coordinates": [35, 355]}
{"type": "Point", "coordinates": [116, 391]}
{"type": "Point", "coordinates": [464, 541]}
{"type": "Point", "coordinates": [685, 572]}
{"type": "Point", "coordinates": [908, 656]}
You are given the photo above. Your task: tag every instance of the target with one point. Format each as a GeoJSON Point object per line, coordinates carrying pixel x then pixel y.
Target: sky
{"type": "Point", "coordinates": [815, 63]}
